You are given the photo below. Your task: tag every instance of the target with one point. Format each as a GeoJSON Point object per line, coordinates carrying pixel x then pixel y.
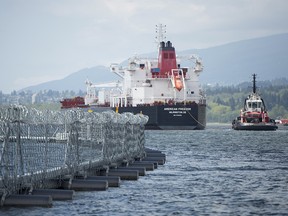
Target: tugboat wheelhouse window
{"type": "Point", "coordinates": [254, 104]}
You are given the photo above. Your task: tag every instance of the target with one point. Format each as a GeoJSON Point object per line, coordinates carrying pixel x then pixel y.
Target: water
{"type": "Point", "coordinates": [217, 171]}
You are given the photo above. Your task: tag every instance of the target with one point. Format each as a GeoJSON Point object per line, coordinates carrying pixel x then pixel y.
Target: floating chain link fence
{"type": "Point", "coordinates": [40, 145]}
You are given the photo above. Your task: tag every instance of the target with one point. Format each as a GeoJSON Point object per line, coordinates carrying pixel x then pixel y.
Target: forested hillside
{"type": "Point", "coordinates": [225, 102]}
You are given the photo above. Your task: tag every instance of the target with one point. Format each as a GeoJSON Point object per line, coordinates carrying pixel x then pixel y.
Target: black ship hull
{"type": "Point", "coordinates": [254, 127]}
{"type": "Point", "coordinates": [168, 117]}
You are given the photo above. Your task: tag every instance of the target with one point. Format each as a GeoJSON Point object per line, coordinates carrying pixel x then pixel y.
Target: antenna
{"type": "Point", "coordinates": [254, 83]}
{"type": "Point", "coordinates": [160, 33]}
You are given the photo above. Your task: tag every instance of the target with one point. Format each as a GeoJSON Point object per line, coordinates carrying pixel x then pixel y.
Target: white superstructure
{"type": "Point", "coordinates": [151, 82]}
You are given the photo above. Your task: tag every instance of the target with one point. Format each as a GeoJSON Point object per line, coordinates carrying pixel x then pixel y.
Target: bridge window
{"type": "Point", "coordinates": [254, 105]}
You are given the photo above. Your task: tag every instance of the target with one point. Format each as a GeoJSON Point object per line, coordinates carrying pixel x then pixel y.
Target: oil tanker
{"type": "Point", "coordinates": [168, 92]}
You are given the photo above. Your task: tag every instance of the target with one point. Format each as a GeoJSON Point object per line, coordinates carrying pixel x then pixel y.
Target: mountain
{"type": "Point", "coordinates": [234, 63]}
{"type": "Point", "coordinates": [76, 81]}
{"type": "Point", "coordinates": [226, 64]}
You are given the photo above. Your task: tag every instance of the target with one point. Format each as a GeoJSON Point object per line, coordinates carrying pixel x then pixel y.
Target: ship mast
{"type": "Point", "coordinates": [160, 31]}
{"type": "Point", "coordinates": [254, 83]}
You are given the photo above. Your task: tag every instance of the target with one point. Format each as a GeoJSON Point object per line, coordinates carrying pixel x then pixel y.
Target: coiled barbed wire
{"type": "Point", "coordinates": [36, 145]}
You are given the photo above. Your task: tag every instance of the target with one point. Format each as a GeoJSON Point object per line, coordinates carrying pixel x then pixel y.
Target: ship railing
{"type": "Point", "coordinates": [170, 74]}
{"type": "Point", "coordinates": [39, 145]}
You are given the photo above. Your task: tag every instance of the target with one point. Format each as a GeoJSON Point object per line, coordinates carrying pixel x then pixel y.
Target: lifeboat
{"type": "Point", "coordinates": [178, 83]}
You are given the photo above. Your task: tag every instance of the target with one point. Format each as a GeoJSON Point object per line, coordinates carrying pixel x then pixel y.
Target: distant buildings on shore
{"type": "Point", "coordinates": [28, 97]}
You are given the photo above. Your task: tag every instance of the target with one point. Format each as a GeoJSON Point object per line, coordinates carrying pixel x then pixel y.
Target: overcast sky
{"type": "Point", "coordinates": [42, 40]}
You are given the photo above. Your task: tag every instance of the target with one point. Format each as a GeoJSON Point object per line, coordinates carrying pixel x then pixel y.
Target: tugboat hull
{"type": "Point", "coordinates": [254, 127]}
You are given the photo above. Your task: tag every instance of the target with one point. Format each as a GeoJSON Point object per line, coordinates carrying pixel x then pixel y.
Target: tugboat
{"type": "Point", "coordinates": [162, 88]}
{"type": "Point", "coordinates": [254, 116]}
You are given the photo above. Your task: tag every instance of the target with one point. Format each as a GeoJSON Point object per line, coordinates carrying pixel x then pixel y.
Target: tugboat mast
{"type": "Point", "coordinates": [254, 83]}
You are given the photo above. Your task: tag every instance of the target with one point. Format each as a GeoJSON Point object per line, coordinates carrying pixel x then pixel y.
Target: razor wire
{"type": "Point", "coordinates": [39, 145]}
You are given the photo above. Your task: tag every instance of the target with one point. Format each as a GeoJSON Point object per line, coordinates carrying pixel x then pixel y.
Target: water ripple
{"type": "Point", "coordinates": [217, 171]}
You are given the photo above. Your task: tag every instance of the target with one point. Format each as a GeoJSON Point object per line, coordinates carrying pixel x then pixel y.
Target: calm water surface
{"type": "Point", "coordinates": [217, 171]}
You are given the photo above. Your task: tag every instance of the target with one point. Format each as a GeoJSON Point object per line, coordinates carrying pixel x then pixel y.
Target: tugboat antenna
{"type": "Point", "coordinates": [254, 83]}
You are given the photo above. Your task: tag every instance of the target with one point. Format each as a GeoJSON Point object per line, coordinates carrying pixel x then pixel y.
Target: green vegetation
{"type": "Point", "coordinates": [224, 102]}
